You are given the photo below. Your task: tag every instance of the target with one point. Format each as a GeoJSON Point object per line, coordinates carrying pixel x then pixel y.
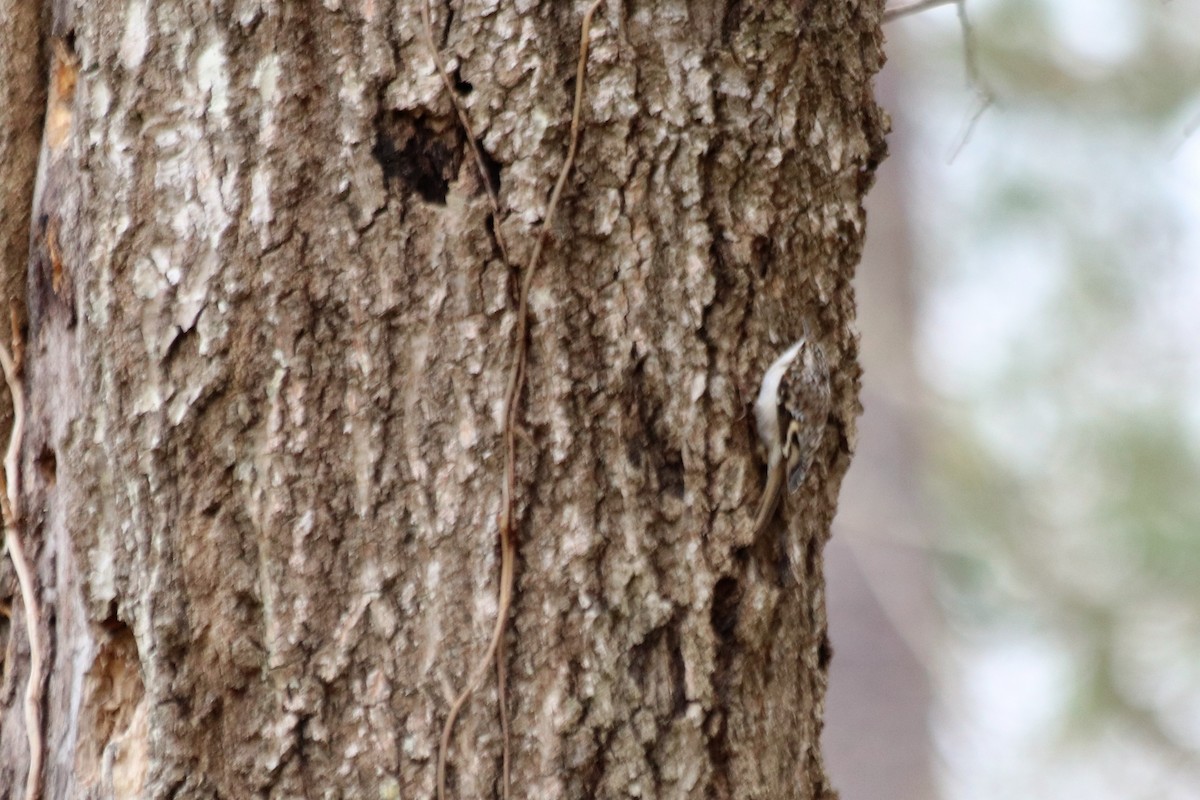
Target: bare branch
{"type": "Point", "coordinates": [916, 7]}
{"type": "Point", "coordinates": [985, 97]}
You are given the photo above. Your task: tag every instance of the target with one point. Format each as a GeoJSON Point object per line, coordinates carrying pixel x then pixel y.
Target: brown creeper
{"type": "Point", "coordinates": [791, 410]}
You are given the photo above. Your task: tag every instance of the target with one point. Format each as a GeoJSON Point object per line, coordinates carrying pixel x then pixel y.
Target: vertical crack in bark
{"type": "Point", "coordinates": [726, 602]}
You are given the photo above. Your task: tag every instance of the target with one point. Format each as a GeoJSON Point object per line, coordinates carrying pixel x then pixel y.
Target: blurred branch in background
{"type": "Point", "coordinates": [907, 9]}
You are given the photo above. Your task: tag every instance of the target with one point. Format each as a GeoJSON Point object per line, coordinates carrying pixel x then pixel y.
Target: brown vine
{"type": "Point", "coordinates": [10, 493]}
{"type": "Point", "coordinates": [516, 382]}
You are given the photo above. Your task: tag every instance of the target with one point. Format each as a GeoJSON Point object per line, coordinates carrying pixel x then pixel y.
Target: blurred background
{"type": "Point", "coordinates": [1014, 579]}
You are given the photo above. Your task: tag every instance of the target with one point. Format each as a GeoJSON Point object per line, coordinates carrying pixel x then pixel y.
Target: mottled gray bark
{"type": "Point", "coordinates": [266, 385]}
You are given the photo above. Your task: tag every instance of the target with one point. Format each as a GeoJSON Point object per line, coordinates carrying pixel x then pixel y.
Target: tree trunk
{"type": "Point", "coordinates": [270, 331]}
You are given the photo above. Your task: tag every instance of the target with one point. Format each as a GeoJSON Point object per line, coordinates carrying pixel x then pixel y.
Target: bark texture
{"type": "Point", "coordinates": [23, 88]}
{"type": "Point", "coordinates": [267, 352]}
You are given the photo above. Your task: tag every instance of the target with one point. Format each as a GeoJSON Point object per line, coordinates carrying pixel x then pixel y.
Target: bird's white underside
{"type": "Point", "coordinates": [766, 407]}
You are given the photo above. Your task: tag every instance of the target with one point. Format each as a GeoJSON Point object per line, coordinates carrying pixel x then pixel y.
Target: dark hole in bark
{"type": "Point", "coordinates": [726, 598]}
{"type": "Point", "coordinates": [489, 222]}
{"type": "Point", "coordinates": [670, 474]}
{"type": "Point", "coordinates": [678, 673]}
{"type": "Point", "coordinates": [824, 652]}
{"type": "Point", "coordinates": [761, 253]}
{"type": "Point", "coordinates": [812, 551]}
{"type": "Point", "coordinates": [47, 465]}
{"type": "Point", "coordinates": [418, 155]}
{"type": "Point", "coordinates": [462, 87]}
{"type": "Point", "coordinates": [490, 165]}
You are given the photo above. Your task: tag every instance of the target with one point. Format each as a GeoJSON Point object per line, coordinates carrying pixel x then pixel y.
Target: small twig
{"type": "Point", "coordinates": [985, 97]}
{"type": "Point", "coordinates": [484, 176]}
{"type": "Point", "coordinates": [982, 103]}
{"type": "Point", "coordinates": [508, 533]}
{"type": "Point", "coordinates": [916, 7]}
{"type": "Point", "coordinates": [9, 497]}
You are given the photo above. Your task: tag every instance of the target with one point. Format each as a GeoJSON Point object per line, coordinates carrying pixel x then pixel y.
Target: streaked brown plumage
{"type": "Point", "coordinates": [792, 409]}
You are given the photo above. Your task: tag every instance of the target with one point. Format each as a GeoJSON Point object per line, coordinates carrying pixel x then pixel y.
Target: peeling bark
{"type": "Point", "coordinates": [269, 338]}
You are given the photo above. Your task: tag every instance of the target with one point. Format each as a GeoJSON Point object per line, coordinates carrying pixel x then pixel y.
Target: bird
{"type": "Point", "coordinates": [791, 411]}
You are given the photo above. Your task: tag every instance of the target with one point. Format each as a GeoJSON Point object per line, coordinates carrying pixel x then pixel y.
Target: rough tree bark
{"type": "Point", "coordinates": [269, 335]}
